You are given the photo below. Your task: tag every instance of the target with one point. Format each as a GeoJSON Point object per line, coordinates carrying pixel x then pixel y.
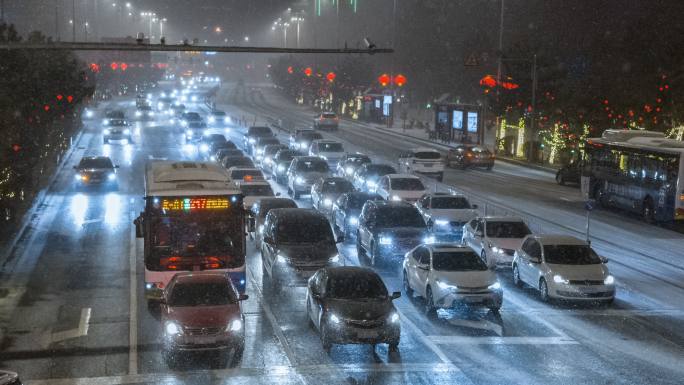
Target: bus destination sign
{"type": "Point", "coordinates": [197, 203]}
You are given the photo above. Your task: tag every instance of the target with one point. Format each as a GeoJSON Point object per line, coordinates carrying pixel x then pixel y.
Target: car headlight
{"type": "Point", "coordinates": [349, 170]}
{"type": "Point", "coordinates": [212, 119]}
{"type": "Point", "coordinates": [299, 180]}
{"type": "Point", "coordinates": [106, 131]}
{"type": "Point", "coordinates": [370, 184]}
{"type": "Point", "coordinates": [445, 286]}
{"type": "Point", "coordinates": [127, 132]}
{"type": "Point", "coordinates": [184, 123]}
{"type": "Point", "coordinates": [111, 176]}
{"type": "Point", "coordinates": [496, 250]}
{"type": "Point", "coordinates": [252, 140]}
{"type": "Point", "coordinates": [268, 160]}
{"type": "Point", "coordinates": [77, 176]}
{"type": "Point", "coordinates": [559, 279]}
{"type": "Point", "coordinates": [495, 286]}
{"type": "Point", "coordinates": [234, 325]}
{"type": "Point", "coordinates": [138, 113]}
{"type": "Point", "coordinates": [385, 240]}
{"type": "Point", "coordinates": [334, 319]}
{"type": "Point", "coordinates": [394, 318]}
{"type": "Point", "coordinates": [261, 229]}
{"type": "Point", "coordinates": [173, 329]}
{"type": "Point", "coordinates": [89, 114]}
{"type": "Point", "coordinates": [194, 98]}
{"type": "Point", "coordinates": [188, 132]}
{"type": "Point", "coordinates": [353, 221]}
{"type": "Point", "coordinates": [226, 120]}
{"type": "Point", "coordinates": [281, 258]}
{"type": "Point", "coordinates": [441, 222]}
{"type": "Point", "coordinates": [396, 198]}
{"type": "Point", "coordinates": [429, 239]}
{"type": "Point", "coordinates": [212, 158]}
{"type": "Point", "coordinates": [610, 280]}
{"type": "Point", "coordinates": [281, 168]}
{"type": "Point", "coordinates": [204, 147]}
{"type": "Point", "coordinates": [335, 258]}
{"type": "Point", "coordinates": [150, 113]}
{"type": "Point", "coordinates": [260, 151]}
{"type": "Point", "coordinates": [160, 105]}
{"type": "Point", "coordinates": [163, 94]}
{"type": "Point", "coordinates": [323, 157]}
{"type": "Point", "coordinates": [327, 202]}
{"type": "Point", "coordinates": [302, 145]}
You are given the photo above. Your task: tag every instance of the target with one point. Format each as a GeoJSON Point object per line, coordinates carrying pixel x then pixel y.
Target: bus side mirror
{"type": "Point", "coordinates": [139, 230]}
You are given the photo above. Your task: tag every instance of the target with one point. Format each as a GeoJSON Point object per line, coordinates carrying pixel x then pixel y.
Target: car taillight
{"type": "Point", "coordinates": [469, 154]}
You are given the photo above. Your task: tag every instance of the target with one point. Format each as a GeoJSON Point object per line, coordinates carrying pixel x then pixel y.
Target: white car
{"type": "Point", "coordinates": [446, 214]}
{"type": "Point", "coordinates": [565, 267]}
{"type": "Point", "coordinates": [329, 150]}
{"type": "Point", "coordinates": [400, 187]}
{"type": "Point", "coordinates": [426, 161]}
{"type": "Point", "coordinates": [495, 238]}
{"type": "Point", "coordinates": [450, 275]}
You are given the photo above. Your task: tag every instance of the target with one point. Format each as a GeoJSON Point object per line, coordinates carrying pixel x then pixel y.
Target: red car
{"type": "Point", "coordinates": [202, 312]}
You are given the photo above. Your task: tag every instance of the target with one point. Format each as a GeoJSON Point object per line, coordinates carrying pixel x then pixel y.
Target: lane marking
{"type": "Point", "coordinates": [274, 324]}
{"type": "Point", "coordinates": [481, 324]}
{"type": "Point", "coordinates": [80, 331]}
{"type": "Point", "coordinates": [422, 337]}
{"type": "Point", "coordinates": [133, 309]}
{"type": "Point", "coordinates": [456, 340]}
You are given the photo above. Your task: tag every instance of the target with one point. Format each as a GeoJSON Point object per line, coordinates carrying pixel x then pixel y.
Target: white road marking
{"type": "Point", "coordinates": [512, 299]}
{"type": "Point", "coordinates": [482, 324]}
{"type": "Point", "coordinates": [453, 340]}
{"type": "Point", "coordinates": [80, 331]}
{"type": "Point", "coordinates": [91, 221]}
{"type": "Point", "coordinates": [133, 309]}
{"type": "Point", "coordinates": [260, 372]}
{"type": "Point", "coordinates": [422, 337]}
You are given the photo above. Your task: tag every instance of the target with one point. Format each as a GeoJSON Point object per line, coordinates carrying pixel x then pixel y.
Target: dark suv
{"type": "Point", "coordinates": [389, 229]}
{"type": "Point", "coordinates": [252, 135]}
{"type": "Point", "coordinates": [297, 239]}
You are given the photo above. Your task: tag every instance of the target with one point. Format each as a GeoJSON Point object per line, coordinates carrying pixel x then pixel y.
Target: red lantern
{"type": "Point", "coordinates": [331, 76]}
{"type": "Point", "coordinates": [290, 70]}
{"type": "Point", "coordinates": [60, 97]}
{"type": "Point", "coordinates": [384, 80]}
{"type": "Point", "coordinates": [488, 81]}
{"type": "Point", "coordinates": [114, 66]}
{"type": "Point", "coordinates": [400, 80]}
{"type": "Point", "coordinates": [308, 71]}
{"type": "Point", "coordinates": [16, 147]}
{"type": "Point", "coordinates": [123, 66]}
{"type": "Point", "coordinates": [46, 108]}
{"type": "Point", "coordinates": [69, 98]}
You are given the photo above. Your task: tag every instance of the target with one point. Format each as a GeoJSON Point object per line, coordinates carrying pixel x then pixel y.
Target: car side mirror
{"type": "Point", "coordinates": [396, 295]}
{"type": "Point", "coordinates": [243, 297]}
{"type": "Point", "coordinates": [139, 229]}
{"type": "Point", "coordinates": [604, 259]}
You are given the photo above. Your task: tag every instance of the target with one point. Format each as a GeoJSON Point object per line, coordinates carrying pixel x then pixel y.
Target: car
{"type": "Point", "coordinates": [258, 214]}
{"type": "Point", "coordinates": [254, 190]}
{"type": "Point", "coordinates": [328, 120]}
{"type": "Point", "coordinates": [9, 378]}
{"type": "Point", "coordinates": [144, 111]}
{"type": "Point", "coordinates": [468, 155]}
{"type": "Point", "coordinates": [570, 173]}
{"type": "Point", "coordinates": [389, 229]}
{"type": "Point", "coordinates": [446, 214]}
{"type": "Point", "coordinates": [113, 115]}
{"type": "Point", "coordinates": [176, 110]}
{"type": "Point", "coordinates": [201, 311]}
{"type": "Point", "coordinates": [233, 161]}
{"type": "Point", "coordinates": [450, 275]}
{"type": "Point", "coordinates": [246, 174]}
{"type": "Point", "coordinates": [215, 147]}
{"type": "Point", "coordinates": [348, 164]}
{"type": "Point", "coordinates": [254, 132]}
{"type": "Point", "coordinates": [281, 164]}
{"type": "Point", "coordinates": [495, 238]}
{"type": "Point", "coordinates": [218, 118]}
{"type": "Point", "coordinates": [424, 161]}
{"type": "Point", "coordinates": [225, 152]}
{"type": "Point", "coordinates": [366, 177]}
{"type": "Point", "coordinates": [329, 150]}
{"type": "Point", "coordinates": [303, 172]}
{"type": "Point", "coordinates": [260, 144]}
{"type": "Point", "coordinates": [164, 103]}
{"type": "Point", "coordinates": [95, 170]}
{"type": "Point", "coordinates": [296, 240]}
{"type": "Point", "coordinates": [563, 267]}
{"type": "Point", "coordinates": [344, 215]}
{"type": "Point", "coordinates": [293, 140]}
{"type": "Point", "coordinates": [118, 130]}
{"type": "Point", "coordinates": [401, 187]}
{"type": "Point", "coordinates": [268, 155]}
{"type": "Point", "coordinates": [327, 190]}
{"type": "Point", "coordinates": [211, 141]}
{"type": "Point", "coordinates": [194, 126]}
{"type": "Point", "coordinates": [351, 305]}
{"type": "Point", "coordinates": [302, 141]}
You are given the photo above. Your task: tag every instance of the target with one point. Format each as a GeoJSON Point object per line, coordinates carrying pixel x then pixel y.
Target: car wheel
{"type": "Point", "coordinates": [559, 179]}
{"type": "Point", "coordinates": [544, 290]}
{"type": "Point", "coordinates": [516, 277]}
{"type": "Point", "coordinates": [407, 287]}
{"type": "Point", "coordinates": [430, 309]}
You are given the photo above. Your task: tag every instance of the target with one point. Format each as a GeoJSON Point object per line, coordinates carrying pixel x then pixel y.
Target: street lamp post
{"type": "Point", "coordinates": [298, 20]}
{"type": "Point", "coordinates": [161, 27]}
{"type": "Point", "coordinates": [85, 30]}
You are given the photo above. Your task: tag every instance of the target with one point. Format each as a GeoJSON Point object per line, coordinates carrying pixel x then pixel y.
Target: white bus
{"type": "Point", "coordinates": [193, 220]}
{"type": "Point", "coordinates": [638, 171]}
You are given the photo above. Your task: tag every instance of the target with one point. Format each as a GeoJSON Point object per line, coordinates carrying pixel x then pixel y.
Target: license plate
{"type": "Point", "coordinates": [473, 299]}
{"type": "Point", "coordinates": [201, 340]}
{"type": "Point", "coordinates": [428, 165]}
{"type": "Point", "coordinates": [366, 334]}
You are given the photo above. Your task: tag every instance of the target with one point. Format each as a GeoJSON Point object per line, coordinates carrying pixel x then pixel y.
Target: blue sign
{"type": "Point", "coordinates": [457, 120]}
{"type": "Point", "coordinates": [472, 121]}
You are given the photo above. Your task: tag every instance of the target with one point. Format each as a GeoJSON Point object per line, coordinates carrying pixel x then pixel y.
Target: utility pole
{"type": "Point", "coordinates": [73, 19]}
{"type": "Point", "coordinates": [390, 117]}
{"type": "Point", "coordinates": [498, 77]}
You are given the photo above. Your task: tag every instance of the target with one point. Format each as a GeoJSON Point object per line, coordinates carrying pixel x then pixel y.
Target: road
{"type": "Point", "coordinates": [72, 312]}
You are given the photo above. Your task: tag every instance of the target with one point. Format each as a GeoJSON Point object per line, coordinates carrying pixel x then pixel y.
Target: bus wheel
{"type": "Point", "coordinates": [647, 211]}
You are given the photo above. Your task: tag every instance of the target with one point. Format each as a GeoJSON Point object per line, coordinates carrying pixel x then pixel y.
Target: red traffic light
{"type": "Point", "coordinates": [290, 70]}
{"type": "Point", "coordinates": [308, 71]}
{"type": "Point", "coordinates": [384, 80]}
{"type": "Point", "coordinates": [400, 80]}
{"type": "Point", "coordinates": [331, 76]}
{"type": "Point", "coordinates": [46, 108]}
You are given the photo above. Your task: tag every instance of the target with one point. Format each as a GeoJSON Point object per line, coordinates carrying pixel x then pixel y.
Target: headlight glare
{"type": "Point", "coordinates": [385, 240]}
{"type": "Point", "coordinates": [495, 286]}
{"type": "Point", "coordinates": [235, 325]}
{"type": "Point", "coordinates": [173, 329]}
{"type": "Point", "coordinates": [610, 280]}
{"type": "Point", "coordinates": [394, 318]}
{"type": "Point", "coordinates": [396, 198]}
{"type": "Point", "coordinates": [559, 279]}
{"type": "Point", "coordinates": [334, 319]}
{"type": "Point", "coordinates": [353, 221]}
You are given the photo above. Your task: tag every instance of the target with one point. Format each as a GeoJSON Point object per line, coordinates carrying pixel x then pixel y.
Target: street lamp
{"type": "Point", "coordinates": [297, 19]}
{"type": "Point", "coordinates": [85, 30]}
{"type": "Point", "coordinates": [247, 38]}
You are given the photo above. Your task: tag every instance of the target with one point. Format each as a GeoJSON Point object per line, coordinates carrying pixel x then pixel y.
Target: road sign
{"type": "Point", "coordinates": [471, 61]}
{"type": "Point", "coordinates": [590, 205]}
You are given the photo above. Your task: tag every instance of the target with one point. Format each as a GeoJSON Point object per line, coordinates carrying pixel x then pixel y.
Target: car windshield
{"type": "Point", "coordinates": [356, 286]}
{"type": "Point", "coordinates": [317, 165]}
{"type": "Point", "coordinates": [507, 229]}
{"type": "Point", "coordinates": [454, 203]}
{"type": "Point", "coordinates": [427, 155]}
{"type": "Point", "coordinates": [202, 294]}
{"type": "Point", "coordinates": [257, 190]}
{"type": "Point", "coordinates": [378, 170]}
{"type": "Point", "coordinates": [406, 184]}
{"type": "Point", "coordinates": [457, 261]}
{"type": "Point", "coordinates": [399, 217]}
{"type": "Point", "coordinates": [311, 136]}
{"type": "Point", "coordinates": [337, 186]}
{"type": "Point", "coordinates": [259, 131]}
{"type": "Point", "coordinates": [295, 229]}
{"type": "Point", "coordinates": [218, 113]}
{"type": "Point", "coordinates": [330, 147]}
{"type": "Point", "coordinates": [570, 255]}
{"type": "Point", "coordinates": [356, 202]}
{"type": "Point", "coordinates": [95, 163]}
{"type": "Point", "coordinates": [192, 116]}
{"type": "Point", "coordinates": [242, 161]}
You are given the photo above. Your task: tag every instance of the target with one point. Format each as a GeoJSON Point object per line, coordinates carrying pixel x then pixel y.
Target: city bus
{"type": "Point", "coordinates": [637, 171]}
{"type": "Point", "coordinates": [193, 220]}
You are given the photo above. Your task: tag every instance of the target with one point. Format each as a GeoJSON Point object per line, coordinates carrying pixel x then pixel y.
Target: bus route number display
{"type": "Point", "coordinates": [187, 204]}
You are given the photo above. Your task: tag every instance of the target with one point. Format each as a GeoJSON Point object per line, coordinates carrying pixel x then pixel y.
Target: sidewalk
{"type": "Point", "coordinates": [422, 135]}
